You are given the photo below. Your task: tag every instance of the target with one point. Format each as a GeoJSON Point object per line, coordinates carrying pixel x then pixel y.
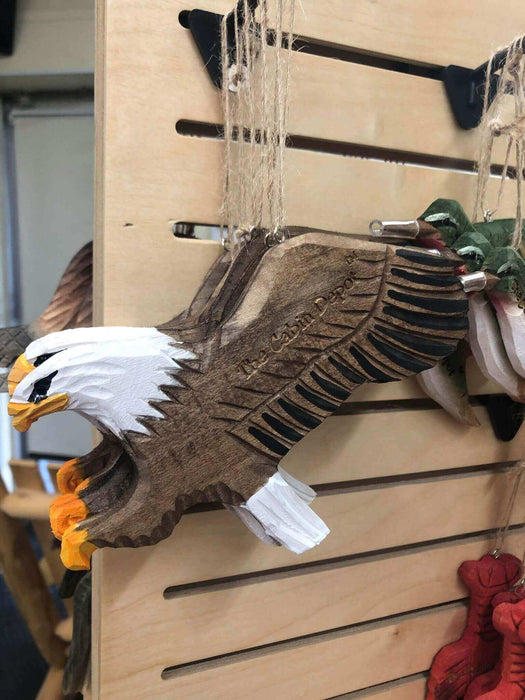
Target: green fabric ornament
{"type": "Point", "coordinates": [483, 246]}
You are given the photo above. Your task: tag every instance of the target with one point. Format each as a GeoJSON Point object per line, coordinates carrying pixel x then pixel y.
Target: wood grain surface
{"type": "Point", "coordinates": [150, 78]}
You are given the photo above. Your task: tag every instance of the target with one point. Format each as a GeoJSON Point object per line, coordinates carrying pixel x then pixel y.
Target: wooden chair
{"type": "Point", "coordinates": [29, 579]}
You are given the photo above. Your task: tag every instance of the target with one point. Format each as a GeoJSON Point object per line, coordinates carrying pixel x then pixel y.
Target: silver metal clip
{"type": "Point", "coordinates": [519, 584]}
{"type": "Point", "coordinates": [277, 236]}
{"type": "Point", "coordinates": [474, 281]}
{"type": "Point", "coordinates": [394, 229]}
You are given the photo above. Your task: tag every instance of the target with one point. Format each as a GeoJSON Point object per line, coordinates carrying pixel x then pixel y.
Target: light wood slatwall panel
{"type": "Point", "coordinates": [327, 665]}
{"type": "Point", "coordinates": [324, 190]}
{"type": "Point", "coordinates": [410, 689]}
{"type": "Point", "coordinates": [296, 604]}
{"type": "Point", "coordinates": [368, 445]}
{"type": "Point", "coordinates": [430, 32]}
{"type": "Point", "coordinates": [394, 546]}
{"type": "Point", "coordinates": [362, 521]}
{"type": "Point", "coordinates": [376, 99]}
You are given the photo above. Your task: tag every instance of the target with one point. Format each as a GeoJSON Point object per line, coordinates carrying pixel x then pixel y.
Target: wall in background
{"type": "Point", "coordinates": [54, 46]}
{"type": "Point", "coordinates": [51, 170]}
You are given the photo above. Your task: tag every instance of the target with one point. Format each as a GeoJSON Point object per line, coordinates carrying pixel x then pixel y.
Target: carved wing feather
{"type": "Point", "coordinates": [413, 316]}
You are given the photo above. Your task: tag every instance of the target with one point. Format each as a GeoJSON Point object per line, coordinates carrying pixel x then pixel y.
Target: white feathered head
{"type": "Point", "coordinates": [109, 375]}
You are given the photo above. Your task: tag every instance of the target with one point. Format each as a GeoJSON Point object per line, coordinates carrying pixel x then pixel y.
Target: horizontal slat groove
{"type": "Point", "coordinates": [341, 487]}
{"type": "Point", "coordinates": [352, 486]}
{"type": "Point", "coordinates": [344, 662]}
{"type": "Point", "coordinates": [339, 52]}
{"type": "Point", "coordinates": [393, 690]}
{"type": "Point", "coordinates": [365, 57]}
{"type": "Point", "coordinates": [337, 181]}
{"type": "Point", "coordinates": [195, 129]}
{"type": "Point", "coordinates": [363, 521]}
{"type": "Point", "coordinates": [327, 455]}
{"type": "Point", "coordinates": [359, 407]}
{"type": "Point", "coordinates": [321, 599]}
{"type": "Point", "coordinates": [286, 572]}
{"type": "Point", "coordinates": [278, 647]}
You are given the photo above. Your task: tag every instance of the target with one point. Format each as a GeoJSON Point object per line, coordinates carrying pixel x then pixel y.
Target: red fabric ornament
{"type": "Point", "coordinates": [478, 649]}
{"type": "Point", "coordinates": [488, 681]}
{"type": "Point", "coordinates": [509, 620]}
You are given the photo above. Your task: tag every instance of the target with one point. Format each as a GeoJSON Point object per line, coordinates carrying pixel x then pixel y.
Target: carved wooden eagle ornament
{"type": "Point", "coordinates": [202, 408]}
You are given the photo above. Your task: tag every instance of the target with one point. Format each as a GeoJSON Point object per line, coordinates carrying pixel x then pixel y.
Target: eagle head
{"type": "Point", "coordinates": [110, 375]}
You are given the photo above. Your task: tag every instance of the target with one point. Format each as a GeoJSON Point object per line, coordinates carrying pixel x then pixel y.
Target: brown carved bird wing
{"type": "Point", "coordinates": [70, 307]}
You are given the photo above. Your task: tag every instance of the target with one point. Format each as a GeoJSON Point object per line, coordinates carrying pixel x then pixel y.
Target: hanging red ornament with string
{"type": "Point", "coordinates": [456, 665]}
{"type": "Point", "coordinates": [488, 681]}
{"type": "Point", "coordinates": [509, 621]}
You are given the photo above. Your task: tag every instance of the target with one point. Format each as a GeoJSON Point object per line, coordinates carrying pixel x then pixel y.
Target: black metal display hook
{"type": "Point", "coordinates": [206, 30]}
{"type": "Point", "coordinates": [465, 88]}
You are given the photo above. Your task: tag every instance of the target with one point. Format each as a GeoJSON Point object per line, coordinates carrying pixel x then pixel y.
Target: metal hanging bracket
{"type": "Point", "coordinates": [465, 88]}
{"type": "Point", "coordinates": [206, 30]}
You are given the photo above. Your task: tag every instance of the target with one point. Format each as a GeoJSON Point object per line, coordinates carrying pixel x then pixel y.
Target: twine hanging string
{"type": "Point", "coordinates": [516, 474]}
{"type": "Point", "coordinates": [503, 118]}
{"type": "Point", "coordinates": [255, 96]}
{"type": "Point", "coordinates": [521, 582]}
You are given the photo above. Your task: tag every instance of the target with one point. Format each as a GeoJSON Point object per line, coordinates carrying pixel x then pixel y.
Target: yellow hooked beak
{"type": "Point", "coordinates": [19, 371]}
{"type": "Point", "coordinates": [25, 414]}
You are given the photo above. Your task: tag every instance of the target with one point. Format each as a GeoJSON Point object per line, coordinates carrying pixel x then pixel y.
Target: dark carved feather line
{"type": "Point", "coordinates": [314, 399]}
{"type": "Point", "coordinates": [432, 303]}
{"type": "Point", "coordinates": [306, 348]}
{"type": "Point", "coordinates": [285, 430]}
{"type": "Point", "coordinates": [329, 387]}
{"type": "Point", "coordinates": [299, 414]}
{"type": "Point", "coordinates": [250, 390]}
{"type": "Point", "coordinates": [426, 259]}
{"type": "Point", "coordinates": [401, 358]}
{"type": "Point", "coordinates": [437, 323]}
{"type": "Point", "coordinates": [324, 336]}
{"type": "Point", "coordinates": [373, 371]}
{"type": "Point", "coordinates": [349, 374]}
{"type": "Point", "coordinates": [419, 344]}
{"type": "Point", "coordinates": [427, 280]}
{"type": "Point", "coordinates": [268, 441]}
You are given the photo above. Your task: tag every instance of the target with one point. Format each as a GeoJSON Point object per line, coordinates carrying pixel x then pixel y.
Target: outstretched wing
{"type": "Point", "coordinates": [386, 314]}
{"type": "Point", "coordinates": [70, 307]}
{"type": "Point", "coordinates": [72, 303]}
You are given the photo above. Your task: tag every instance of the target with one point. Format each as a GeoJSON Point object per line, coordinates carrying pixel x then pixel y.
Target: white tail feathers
{"type": "Point", "coordinates": [252, 524]}
{"type": "Point", "coordinates": [281, 507]}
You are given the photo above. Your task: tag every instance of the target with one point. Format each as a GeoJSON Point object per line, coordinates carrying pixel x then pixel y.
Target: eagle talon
{"type": "Point", "coordinates": [69, 477]}
{"type": "Point", "coordinates": [65, 511]}
{"type": "Point", "coordinates": [76, 550]}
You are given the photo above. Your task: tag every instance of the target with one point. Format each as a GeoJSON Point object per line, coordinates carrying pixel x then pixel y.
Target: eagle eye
{"type": "Point", "coordinates": [42, 358]}
{"type": "Point", "coordinates": [41, 388]}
